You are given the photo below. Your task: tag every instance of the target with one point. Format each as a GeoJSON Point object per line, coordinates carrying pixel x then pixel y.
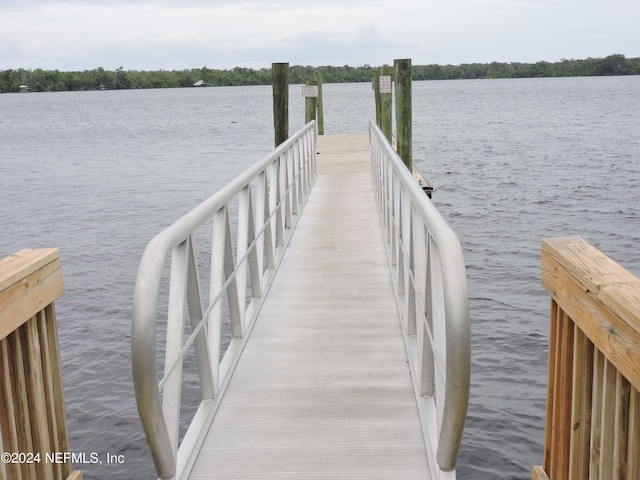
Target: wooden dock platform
{"type": "Point", "coordinates": [323, 388]}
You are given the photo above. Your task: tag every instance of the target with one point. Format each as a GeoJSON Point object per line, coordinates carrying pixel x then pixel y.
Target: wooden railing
{"type": "Point", "coordinates": [33, 427]}
{"type": "Point", "coordinates": [593, 400]}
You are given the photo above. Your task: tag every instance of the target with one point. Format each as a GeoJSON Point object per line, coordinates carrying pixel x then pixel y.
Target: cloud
{"type": "Point", "coordinates": [163, 34]}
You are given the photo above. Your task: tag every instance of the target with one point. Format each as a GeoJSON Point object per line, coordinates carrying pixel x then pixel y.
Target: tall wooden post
{"type": "Point", "coordinates": [376, 95]}
{"type": "Point", "coordinates": [384, 83]}
{"type": "Point", "coordinates": [402, 70]}
{"type": "Point", "coordinates": [280, 82]}
{"type": "Point", "coordinates": [319, 107]}
{"type": "Point", "coordinates": [310, 104]}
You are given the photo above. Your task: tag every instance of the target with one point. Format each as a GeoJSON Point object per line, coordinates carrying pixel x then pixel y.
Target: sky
{"type": "Point", "coordinates": [76, 35]}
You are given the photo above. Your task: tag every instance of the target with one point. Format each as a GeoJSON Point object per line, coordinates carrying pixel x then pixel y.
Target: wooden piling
{"type": "Point", "coordinates": [319, 107]}
{"type": "Point", "coordinates": [310, 105]}
{"type": "Point", "coordinates": [385, 103]}
{"type": "Point", "coordinates": [280, 83]}
{"type": "Point", "coordinates": [375, 85]}
{"type": "Point", "coordinates": [402, 75]}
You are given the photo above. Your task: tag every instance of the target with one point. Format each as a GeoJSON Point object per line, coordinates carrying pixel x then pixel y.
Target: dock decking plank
{"type": "Point", "coordinates": [323, 388]}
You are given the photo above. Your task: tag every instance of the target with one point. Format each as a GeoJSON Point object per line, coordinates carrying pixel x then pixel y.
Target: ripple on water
{"type": "Point", "coordinates": [511, 161]}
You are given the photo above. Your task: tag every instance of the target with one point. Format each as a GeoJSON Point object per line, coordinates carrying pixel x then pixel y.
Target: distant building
{"type": "Point", "coordinates": [199, 83]}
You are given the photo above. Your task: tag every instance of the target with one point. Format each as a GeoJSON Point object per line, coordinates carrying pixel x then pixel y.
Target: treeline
{"type": "Point", "coordinates": [53, 80]}
{"type": "Point", "coordinates": [612, 65]}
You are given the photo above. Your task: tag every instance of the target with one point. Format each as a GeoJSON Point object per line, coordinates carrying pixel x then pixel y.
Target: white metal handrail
{"type": "Point", "coordinates": [430, 282]}
{"type": "Point", "coordinates": [270, 197]}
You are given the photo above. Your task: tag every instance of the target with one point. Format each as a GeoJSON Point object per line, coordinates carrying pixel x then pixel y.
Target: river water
{"type": "Point", "coordinates": [98, 174]}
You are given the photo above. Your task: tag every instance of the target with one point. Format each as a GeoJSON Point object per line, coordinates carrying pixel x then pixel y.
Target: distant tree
{"type": "Point", "coordinates": [613, 65]}
{"type": "Point", "coordinates": [122, 79]}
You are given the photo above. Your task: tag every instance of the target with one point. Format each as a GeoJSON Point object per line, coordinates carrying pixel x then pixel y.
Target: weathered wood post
{"type": "Point", "coordinates": [384, 83]}
{"type": "Point", "coordinates": [280, 83]}
{"type": "Point", "coordinates": [375, 84]}
{"type": "Point", "coordinates": [320, 109]}
{"type": "Point", "coordinates": [310, 92]}
{"type": "Point", "coordinates": [402, 74]}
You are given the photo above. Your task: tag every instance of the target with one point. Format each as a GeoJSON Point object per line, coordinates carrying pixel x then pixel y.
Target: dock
{"type": "Point", "coordinates": [323, 388]}
{"type": "Point", "coordinates": [344, 292]}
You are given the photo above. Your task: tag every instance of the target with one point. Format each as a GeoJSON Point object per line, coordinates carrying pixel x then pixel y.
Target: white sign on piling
{"type": "Point", "coordinates": [385, 83]}
{"type": "Point", "coordinates": [309, 91]}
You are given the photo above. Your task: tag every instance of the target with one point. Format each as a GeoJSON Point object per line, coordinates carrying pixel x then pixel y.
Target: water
{"type": "Point", "coordinates": [514, 162]}
{"type": "Point", "coordinates": [98, 174]}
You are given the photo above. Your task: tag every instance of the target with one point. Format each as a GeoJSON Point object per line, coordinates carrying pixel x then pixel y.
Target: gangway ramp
{"type": "Point", "coordinates": [323, 387]}
{"type": "Point", "coordinates": [348, 314]}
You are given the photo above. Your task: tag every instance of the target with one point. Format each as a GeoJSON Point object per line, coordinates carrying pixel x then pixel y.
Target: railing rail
{"type": "Point", "coordinates": [429, 276]}
{"type": "Point", "coordinates": [593, 396]}
{"type": "Point", "coordinates": [33, 425]}
{"type": "Point", "coordinates": [269, 198]}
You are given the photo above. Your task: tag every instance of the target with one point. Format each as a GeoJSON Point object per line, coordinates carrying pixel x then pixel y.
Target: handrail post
{"type": "Point", "coordinates": [32, 414]}
{"type": "Point", "coordinates": [593, 400]}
